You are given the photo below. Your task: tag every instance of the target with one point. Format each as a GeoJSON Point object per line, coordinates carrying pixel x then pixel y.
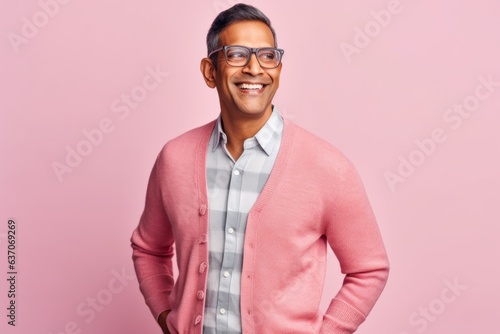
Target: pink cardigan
{"type": "Point", "coordinates": [312, 198]}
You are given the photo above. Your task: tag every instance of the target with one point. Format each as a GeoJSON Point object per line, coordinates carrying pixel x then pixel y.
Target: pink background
{"type": "Point", "coordinates": [439, 221]}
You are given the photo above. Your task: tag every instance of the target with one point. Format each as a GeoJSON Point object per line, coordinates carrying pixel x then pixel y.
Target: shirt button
{"type": "Point", "coordinates": [226, 274]}
{"type": "Point", "coordinates": [230, 230]}
{"type": "Point", "coordinates": [222, 311]}
{"type": "Point", "coordinates": [236, 172]}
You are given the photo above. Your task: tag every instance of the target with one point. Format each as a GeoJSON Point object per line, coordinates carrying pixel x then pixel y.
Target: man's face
{"type": "Point", "coordinates": [234, 98]}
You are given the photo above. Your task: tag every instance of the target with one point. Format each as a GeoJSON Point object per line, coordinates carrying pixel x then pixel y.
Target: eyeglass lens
{"type": "Point", "coordinates": [239, 56]}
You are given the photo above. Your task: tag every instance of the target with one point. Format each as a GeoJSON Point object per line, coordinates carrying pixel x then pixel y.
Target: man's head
{"type": "Point", "coordinates": [245, 84]}
{"type": "Point", "coordinates": [237, 13]}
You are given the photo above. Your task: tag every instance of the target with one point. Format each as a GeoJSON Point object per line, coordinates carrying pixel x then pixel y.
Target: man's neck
{"type": "Point", "coordinates": [238, 130]}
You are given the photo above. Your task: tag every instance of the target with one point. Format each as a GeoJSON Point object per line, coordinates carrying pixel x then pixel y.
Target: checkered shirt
{"type": "Point", "coordinates": [233, 187]}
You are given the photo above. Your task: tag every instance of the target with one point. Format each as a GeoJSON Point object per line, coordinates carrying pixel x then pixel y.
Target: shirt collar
{"type": "Point", "coordinates": [266, 137]}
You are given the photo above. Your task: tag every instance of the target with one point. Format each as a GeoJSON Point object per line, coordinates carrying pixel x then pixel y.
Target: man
{"type": "Point", "coordinates": [248, 203]}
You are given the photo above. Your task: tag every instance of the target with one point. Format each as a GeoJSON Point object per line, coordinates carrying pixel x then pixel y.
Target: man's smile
{"type": "Point", "coordinates": [252, 88]}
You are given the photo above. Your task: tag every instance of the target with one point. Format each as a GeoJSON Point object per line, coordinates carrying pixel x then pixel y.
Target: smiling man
{"type": "Point", "coordinates": [248, 203]}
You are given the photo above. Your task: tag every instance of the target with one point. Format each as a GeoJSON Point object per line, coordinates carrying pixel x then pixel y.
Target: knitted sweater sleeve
{"type": "Point", "coordinates": [153, 248]}
{"type": "Point", "coordinates": [353, 234]}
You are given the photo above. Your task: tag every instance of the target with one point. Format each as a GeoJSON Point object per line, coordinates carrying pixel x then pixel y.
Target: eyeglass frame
{"type": "Point", "coordinates": [252, 51]}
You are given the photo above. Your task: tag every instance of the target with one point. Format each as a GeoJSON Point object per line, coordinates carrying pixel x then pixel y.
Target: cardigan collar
{"type": "Point", "coordinates": [274, 177]}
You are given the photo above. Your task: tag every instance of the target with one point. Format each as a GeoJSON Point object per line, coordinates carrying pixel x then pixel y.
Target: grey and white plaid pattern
{"type": "Point", "coordinates": [233, 187]}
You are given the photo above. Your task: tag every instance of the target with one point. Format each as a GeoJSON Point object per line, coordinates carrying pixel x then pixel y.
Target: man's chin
{"type": "Point", "coordinates": [253, 108]}
{"type": "Point", "coordinates": [253, 112]}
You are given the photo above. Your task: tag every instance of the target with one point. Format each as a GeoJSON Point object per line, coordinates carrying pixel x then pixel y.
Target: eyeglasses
{"type": "Point", "coordinates": [239, 56]}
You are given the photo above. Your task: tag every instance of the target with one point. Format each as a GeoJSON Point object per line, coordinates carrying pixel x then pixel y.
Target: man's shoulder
{"type": "Point", "coordinates": [311, 142]}
{"type": "Point", "coordinates": [188, 140]}
{"type": "Point", "coordinates": [317, 153]}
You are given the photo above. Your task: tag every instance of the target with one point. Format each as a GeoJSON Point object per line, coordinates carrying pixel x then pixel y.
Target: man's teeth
{"type": "Point", "coordinates": [251, 86]}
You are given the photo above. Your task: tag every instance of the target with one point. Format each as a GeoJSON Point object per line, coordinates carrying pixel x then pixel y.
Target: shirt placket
{"type": "Point", "coordinates": [230, 240]}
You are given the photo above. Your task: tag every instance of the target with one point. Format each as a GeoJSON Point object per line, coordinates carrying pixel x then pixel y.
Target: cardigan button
{"type": "Point", "coordinates": [203, 239]}
{"type": "Point", "coordinates": [203, 267]}
{"type": "Point", "coordinates": [197, 320]}
{"type": "Point", "coordinates": [203, 209]}
{"type": "Point", "coordinates": [200, 295]}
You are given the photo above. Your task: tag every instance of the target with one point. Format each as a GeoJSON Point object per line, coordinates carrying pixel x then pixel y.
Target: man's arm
{"type": "Point", "coordinates": [153, 248]}
{"type": "Point", "coordinates": [354, 236]}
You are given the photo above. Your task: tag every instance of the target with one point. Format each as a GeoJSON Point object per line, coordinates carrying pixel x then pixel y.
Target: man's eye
{"type": "Point", "coordinates": [267, 55]}
{"type": "Point", "coordinates": [236, 55]}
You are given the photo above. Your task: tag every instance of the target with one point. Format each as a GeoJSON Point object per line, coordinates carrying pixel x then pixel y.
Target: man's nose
{"type": "Point", "coordinates": [253, 67]}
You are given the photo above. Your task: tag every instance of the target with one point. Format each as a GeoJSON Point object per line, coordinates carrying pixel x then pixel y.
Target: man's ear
{"type": "Point", "coordinates": [208, 71]}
